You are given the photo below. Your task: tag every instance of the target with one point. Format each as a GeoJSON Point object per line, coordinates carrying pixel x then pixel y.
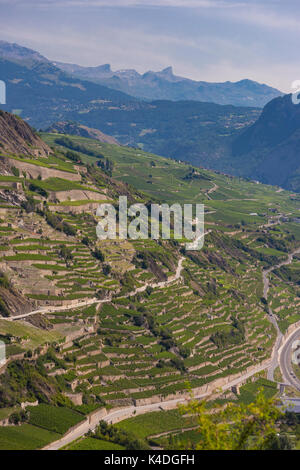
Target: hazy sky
{"type": "Point", "coordinates": [213, 40]}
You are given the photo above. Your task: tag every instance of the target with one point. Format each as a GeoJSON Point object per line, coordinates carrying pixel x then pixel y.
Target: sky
{"type": "Point", "coordinates": [211, 40]}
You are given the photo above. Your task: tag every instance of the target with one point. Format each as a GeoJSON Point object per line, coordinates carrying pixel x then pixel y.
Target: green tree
{"type": "Point", "coordinates": [237, 426]}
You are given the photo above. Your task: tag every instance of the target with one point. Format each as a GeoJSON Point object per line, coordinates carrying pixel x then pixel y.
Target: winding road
{"type": "Point", "coordinates": [94, 300]}
{"type": "Point", "coordinates": [78, 304]}
{"type": "Point", "coordinates": [211, 190]}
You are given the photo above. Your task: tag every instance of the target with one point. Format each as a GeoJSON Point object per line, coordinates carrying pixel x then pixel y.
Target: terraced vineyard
{"type": "Point", "coordinates": [115, 326]}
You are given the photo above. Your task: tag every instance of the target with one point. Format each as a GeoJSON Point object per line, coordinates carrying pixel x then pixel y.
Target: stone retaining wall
{"type": "Point", "coordinates": [35, 171]}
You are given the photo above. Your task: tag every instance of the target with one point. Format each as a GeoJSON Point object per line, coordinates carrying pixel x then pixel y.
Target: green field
{"type": "Point", "coordinates": [90, 443]}
{"type": "Point", "coordinates": [186, 440]}
{"type": "Point", "coordinates": [31, 336]}
{"type": "Point", "coordinates": [156, 422]}
{"type": "Point", "coordinates": [59, 184]}
{"type": "Point", "coordinates": [55, 419]}
{"type": "Point", "coordinates": [25, 437]}
{"type": "Point", "coordinates": [249, 390]}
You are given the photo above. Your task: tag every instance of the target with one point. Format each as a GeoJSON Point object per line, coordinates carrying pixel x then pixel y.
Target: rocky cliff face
{"type": "Point", "coordinates": [17, 137]}
{"type": "Point", "coordinates": [13, 303]}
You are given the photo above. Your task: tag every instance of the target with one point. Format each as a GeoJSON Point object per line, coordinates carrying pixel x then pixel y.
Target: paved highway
{"type": "Point", "coordinates": [285, 360]}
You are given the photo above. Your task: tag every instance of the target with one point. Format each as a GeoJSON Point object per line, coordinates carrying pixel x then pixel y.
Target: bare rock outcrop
{"type": "Point", "coordinates": [17, 137]}
{"type": "Point", "coordinates": [14, 302]}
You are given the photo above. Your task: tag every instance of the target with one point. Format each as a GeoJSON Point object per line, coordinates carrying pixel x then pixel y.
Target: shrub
{"type": "Point", "coordinates": [86, 241]}
{"type": "Point", "coordinates": [4, 282]}
{"type": "Point", "coordinates": [19, 417]}
{"type": "Point", "coordinates": [15, 171]}
{"type": "Point", "coordinates": [98, 255]}
{"type": "Point", "coordinates": [106, 269]}
{"type": "Point", "coordinates": [29, 204]}
{"type": "Point", "coordinates": [38, 189]}
{"type": "Point", "coordinates": [65, 253]}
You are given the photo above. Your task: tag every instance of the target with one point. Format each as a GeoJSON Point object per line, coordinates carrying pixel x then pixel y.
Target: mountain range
{"type": "Point", "coordinates": [42, 94]}
{"type": "Point", "coordinates": [164, 85]}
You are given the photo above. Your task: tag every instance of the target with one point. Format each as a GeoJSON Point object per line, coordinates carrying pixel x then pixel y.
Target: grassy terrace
{"type": "Point", "coordinates": [27, 337]}
{"type": "Point", "coordinates": [42, 259]}
{"type": "Point", "coordinates": [52, 161]}
{"type": "Point", "coordinates": [60, 184]}
{"type": "Point", "coordinates": [124, 358]}
{"type": "Point", "coordinates": [163, 428]}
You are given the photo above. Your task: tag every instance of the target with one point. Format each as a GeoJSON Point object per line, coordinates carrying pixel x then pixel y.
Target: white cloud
{"type": "Point", "coordinates": [105, 45]}
{"type": "Point", "coordinates": [130, 3]}
{"type": "Point", "coordinates": [266, 18]}
{"type": "Point", "coordinates": [262, 13]}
